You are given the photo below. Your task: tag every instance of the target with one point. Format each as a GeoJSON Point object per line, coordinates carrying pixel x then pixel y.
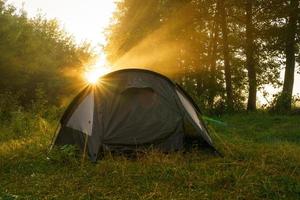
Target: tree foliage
{"type": "Point", "coordinates": [185, 40]}
{"type": "Point", "coordinates": [36, 54]}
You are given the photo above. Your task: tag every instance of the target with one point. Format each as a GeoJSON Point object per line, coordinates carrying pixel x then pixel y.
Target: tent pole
{"type": "Point", "coordinates": [54, 137]}
{"type": "Point", "coordinates": [84, 149]}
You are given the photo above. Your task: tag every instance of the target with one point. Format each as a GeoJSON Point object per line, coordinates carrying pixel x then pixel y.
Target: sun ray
{"type": "Point", "coordinates": [92, 75]}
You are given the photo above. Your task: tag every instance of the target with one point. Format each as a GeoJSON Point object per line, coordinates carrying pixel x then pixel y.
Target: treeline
{"type": "Point", "coordinates": [222, 51]}
{"type": "Point", "coordinates": [37, 59]}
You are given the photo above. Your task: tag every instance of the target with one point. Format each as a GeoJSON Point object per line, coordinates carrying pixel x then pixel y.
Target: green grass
{"type": "Point", "coordinates": [261, 161]}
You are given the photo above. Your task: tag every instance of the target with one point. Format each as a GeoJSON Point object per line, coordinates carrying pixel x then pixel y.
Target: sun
{"type": "Point", "coordinates": [92, 75]}
{"type": "Point", "coordinates": [94, 71]}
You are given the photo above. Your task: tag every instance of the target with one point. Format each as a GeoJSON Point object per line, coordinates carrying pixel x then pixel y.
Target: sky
{"type": "Point", "coordinates": [86, 20]}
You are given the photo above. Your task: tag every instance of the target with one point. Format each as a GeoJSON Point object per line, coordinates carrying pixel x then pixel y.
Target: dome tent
{"type": "Point", "coordinates": [133, 109]}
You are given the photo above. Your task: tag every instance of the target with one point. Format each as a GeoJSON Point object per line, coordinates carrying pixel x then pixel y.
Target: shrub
{"type": "Point", "coordinates": [8, 104]}
{"type": "Point", "coordinates": [22, 123]}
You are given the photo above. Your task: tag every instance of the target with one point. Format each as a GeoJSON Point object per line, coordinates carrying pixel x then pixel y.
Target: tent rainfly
{"type": "Point", "coordinates": [130, 110]}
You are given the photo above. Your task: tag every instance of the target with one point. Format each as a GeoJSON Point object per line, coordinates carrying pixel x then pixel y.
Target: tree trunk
{"type": "Point", "coordinates": [290, 48]}
{"type": "Point", "coordinates": [250, 57]}
{"type": "Point", "coordinates": [227, 67]}
{"type": "Point", "coordinates": [212, 62]}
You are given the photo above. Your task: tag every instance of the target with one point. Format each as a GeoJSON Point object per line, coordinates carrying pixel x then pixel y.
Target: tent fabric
{"type": "Point", "coordinates": [132, 109]}
{"type": "Point", "coordinates": [82, 117]}
{"type": "Point", "coordinates": [191, 110]}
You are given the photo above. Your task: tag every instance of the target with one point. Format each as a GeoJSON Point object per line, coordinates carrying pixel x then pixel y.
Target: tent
{"type": "Point", "coordinates": [130, 110]}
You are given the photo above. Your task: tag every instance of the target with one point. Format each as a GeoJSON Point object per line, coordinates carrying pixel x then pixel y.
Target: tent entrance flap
{"type": "Point", "coordinates": [192, 113]}
{"type": "Point", "coordinates": [82, 117]}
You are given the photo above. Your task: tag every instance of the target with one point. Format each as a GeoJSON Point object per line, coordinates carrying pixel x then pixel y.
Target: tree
{"type": "Point", "coordinates": [37, 53]}
{"type": "Point", "coordinates": [213, 58]}
{"type": "Point", "coordinates": [227, 67]}
{"type": "Point", "coordinates": [221, 51]}
{"type": "Point", "coordinates": [290, 50]}
{"type": "Point", "coordinates": [250, 57]}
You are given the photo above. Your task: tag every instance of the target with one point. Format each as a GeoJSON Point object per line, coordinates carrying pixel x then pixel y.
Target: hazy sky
{"type": "Point", "coordinates": [85, 19]}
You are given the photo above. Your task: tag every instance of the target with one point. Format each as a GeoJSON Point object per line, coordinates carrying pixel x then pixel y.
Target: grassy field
{"type": "Point", "coordinates": [261, 161]}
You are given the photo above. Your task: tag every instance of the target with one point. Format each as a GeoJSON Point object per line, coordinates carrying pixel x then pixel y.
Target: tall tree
{"type": "Point", "coordinates": [290, 50]}
{"type": "Point", "coordinates": [205, 44]}
{"type": "Point", "coordinates": [213, 58]}
{"type": "Point", "coordinates": [227, 67]}
{"type": "Point", "coordinates": [250, 57]}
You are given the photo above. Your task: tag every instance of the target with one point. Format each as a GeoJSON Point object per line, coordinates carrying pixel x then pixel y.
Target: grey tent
{"type": "Point", "coordinates": [130, 110]}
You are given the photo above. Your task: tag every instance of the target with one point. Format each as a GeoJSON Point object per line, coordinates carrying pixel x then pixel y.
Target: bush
{"type": "Point", "coordinates": [8, 104]}
{"type": "Point", "coordinates": [22, 123]}
{"type": "Point", "coordinates": [18, 121]}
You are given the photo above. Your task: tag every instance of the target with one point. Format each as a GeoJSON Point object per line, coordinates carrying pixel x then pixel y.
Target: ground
{"type": "Point", "coordinates": [261, 161]}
